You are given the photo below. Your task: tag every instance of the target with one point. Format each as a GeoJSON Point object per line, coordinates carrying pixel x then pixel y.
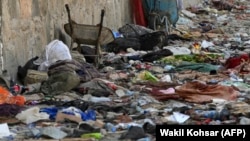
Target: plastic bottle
{"type": "Point", "coordinates": [130, 93]}
{"type": "Point", "coordinates": [139, 109]}
{"type": "Point", "coordinates": [117, 34]}
{"type": "Point", "coordinates": [126, 126]}
{"type": "Point", "coordinates": [99, 99]}
{"type": "Point", "coordinates": [168, 67]}
{"type": "Point", "coordinates": [122, 126]}
{"type": "Point", "coordinates": [110, 127]}
{"type": "Point", "coordinates": [213, 114]}
{"type": "Point", "coordinates": [144, 139]}
{"type": "Point", "coordinates": [18, 89]}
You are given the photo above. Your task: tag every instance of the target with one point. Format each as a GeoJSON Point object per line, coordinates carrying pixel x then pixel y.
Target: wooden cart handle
{"type": "Point", "coordinates": [102, 13]}
{"type": "Point", "coordinates": [67, 7]}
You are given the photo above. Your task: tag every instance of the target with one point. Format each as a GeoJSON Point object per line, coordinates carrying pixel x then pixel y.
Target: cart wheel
{"type": "Point", "coordinates": [154, 22]}
{"type": "Point", "coordinates": [167, 26]}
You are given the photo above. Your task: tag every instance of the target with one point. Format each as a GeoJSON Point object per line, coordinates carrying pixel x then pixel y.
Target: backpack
{"type": "Point", "coordinates": [22, 71]}
{"type": "Point", "coordinates": [150, 40]}
{"type": "Point", "coordinates": [133, 30]}
{"type": "Point", "coordinates": [65, 75]}
{"type": "Point", "coordinates": [121, 44]}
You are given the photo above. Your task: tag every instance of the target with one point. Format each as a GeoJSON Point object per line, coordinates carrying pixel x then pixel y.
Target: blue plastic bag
{"type": "Point", "coordinates": [51, 111]}
{"type": "Point", "coordinates": [87, 115]}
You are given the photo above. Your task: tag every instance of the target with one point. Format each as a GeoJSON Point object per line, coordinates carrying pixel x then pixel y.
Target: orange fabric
{"type": "Point", "coordinates": [200, 93]}
{"type": "Point", "coordinates": [7, 98]}
{"type": "Point", "coordinates": [4, 95]}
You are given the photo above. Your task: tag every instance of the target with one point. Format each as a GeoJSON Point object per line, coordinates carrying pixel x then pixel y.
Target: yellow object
{"type": "Point", "coordinates": [196, 48]}
{"type": "Point", "coordinates": [187, 36]}
{"type": "Point", "coordinates": [146, 75]}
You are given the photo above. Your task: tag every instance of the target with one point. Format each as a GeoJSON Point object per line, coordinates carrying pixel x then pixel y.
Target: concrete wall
{"type": "Point", "coordinates": [1, 42]}
{"type": "Point", "coordinates": [27, 26]}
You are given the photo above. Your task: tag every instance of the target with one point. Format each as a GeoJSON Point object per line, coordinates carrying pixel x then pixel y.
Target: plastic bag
{"type": "Point", "coordinates": [146, 75]}
{"type": "Point", "coordinates": [51, 111]}
{"type": "Point", "coordinates": [87, 115]}
{"type": "Point", "coordinates": [31, 115]}
{"type": "Point", "coordinates": [6, 97]}
{"type": "Point", "coordinates": [56, 50]}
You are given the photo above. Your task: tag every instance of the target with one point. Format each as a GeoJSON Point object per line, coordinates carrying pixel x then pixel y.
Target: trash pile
{"type": "Point", "coordinates": [196, 75]}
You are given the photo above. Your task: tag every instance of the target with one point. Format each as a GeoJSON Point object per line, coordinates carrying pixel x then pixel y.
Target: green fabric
{"type": "Point", "coordinates": [194, 58]}
{"type": "Point", "coordinates": [201, 67]}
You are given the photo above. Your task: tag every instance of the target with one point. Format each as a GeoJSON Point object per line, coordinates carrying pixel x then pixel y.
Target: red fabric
{"type": "Point", "coordinates": [235, 61]}
{"type": "Point", "coordinates": [138, 13]}
{"type": "Point", "coordinates": [157, 94]}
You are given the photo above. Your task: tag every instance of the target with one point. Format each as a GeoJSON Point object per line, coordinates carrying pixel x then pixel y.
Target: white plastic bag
{"type": "Point", "coordinates": [56, 50]}
{"type": "Point", "coordinates": [32, 115]}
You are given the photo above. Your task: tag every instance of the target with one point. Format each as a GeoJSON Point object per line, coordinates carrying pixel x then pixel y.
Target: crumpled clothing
{"type": "Point", "coordinates": [223, 5]}
{"type": "Point", "coordinates": [162, 94]}
{"type": "Point", "coordinates": [10, 110]}
{"type": "Point", "coordinates": [199, 92]}
{"type": "Point", "coordinates": [201, 67]}
{"type": "Point", "coordinates": [239, 108]}
{"type": "Point", "coordinates": [235, 61]}
{"type": "Point", "coordinates": [205, 77]}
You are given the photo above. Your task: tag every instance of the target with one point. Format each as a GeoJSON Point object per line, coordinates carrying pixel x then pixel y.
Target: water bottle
{"type": "Point", "coordinates": [117, 34]}
{"type": "Point", "coordinates": [123, 126]}
{"type": "Point", "coordinates": [110, 127]}
{"type": "Point", "coordinates": [18, 89]}
{"type": "Point", "coordinates": [144, 139]}
{"type": "Point", "coordinates": [213, 114]}
{"type": "Point", "coordinates": [126, 126]}
{"type": "Point", "coordinates": [140, 110]}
